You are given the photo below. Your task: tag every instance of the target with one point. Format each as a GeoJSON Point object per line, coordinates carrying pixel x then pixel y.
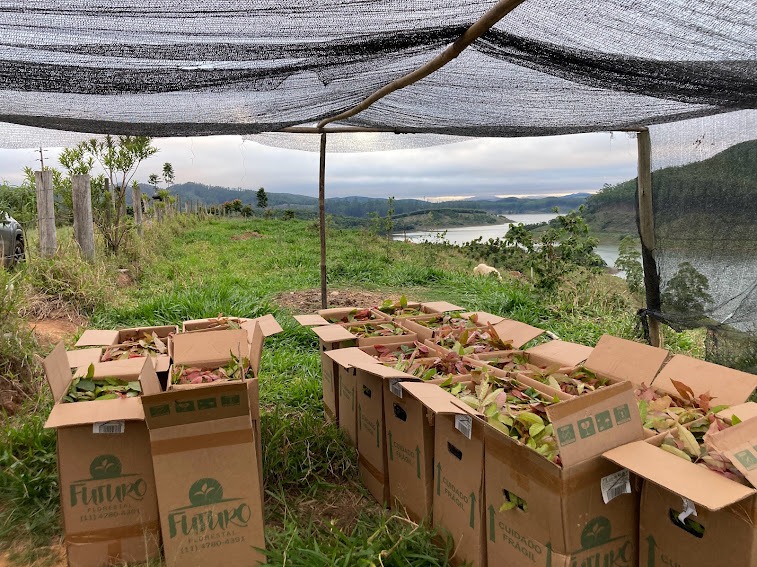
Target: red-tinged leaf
{"type": "Point", "coordinates": [684, 391]}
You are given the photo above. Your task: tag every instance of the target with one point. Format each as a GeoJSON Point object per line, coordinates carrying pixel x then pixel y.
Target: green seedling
{"type": "Point", "coordinates": [237, 369]}
{"type": "Point", "coordinates": [89, 388]}
{"type": "Point", "coordinates": [149, 344]}
{"type": "Point", "coordinates": [398, 308]}
{"type": "Point", "coordinates": [693, 444]}
{"type": "Point", "coordinates": [513, 408]}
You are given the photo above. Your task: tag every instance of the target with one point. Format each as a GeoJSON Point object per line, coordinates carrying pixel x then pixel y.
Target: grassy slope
{"type": "Point", "coordinates": [203, 272]}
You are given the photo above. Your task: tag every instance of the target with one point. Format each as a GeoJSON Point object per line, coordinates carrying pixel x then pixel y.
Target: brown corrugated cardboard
{"type": "Point", "coordinates": [564, 520]}
{"type": "Point", "coordinates": [726, 385]}
{"type": "Point", "coordinates": [205, 350]}
{"type": "Point", "coordinates": [560, 352]}
{"type": "Point", "coordinates": [126, 367]}
{"type": "Point", "coordinates": [311, 320]}
{"type": "Point", "coordinates": [107, 487]}
{"type": "Point", "coordinates": [517, 332]}
{"type": "Point", "coordinates": [93, 337]}
{"type": "Point", "coordinates": [440, 307]}
{"type": "Point", "coordinates": [211, 323]}
{"type": "Point", "coordinates": [458, 495]}
{"type": "Point", "coordinates": [410, 446]}
{"type": "Point", "coordinates": [371, 425]}
{"type": "Point", "coordinates": [205, 443]}
{"type": "Point", "coordinates": [483, 318]}
{"type": "Point", "coordinates": [345, 360]}
{"type": "Point", "coordinates": [415, 325]}
{"type": "Point", "coordinates": [84, 357]}
{"type": "Point", "coordinates": [341, 314]}
{"type": "Point", "coordinates": [620, 359]}
{"type": "Point", "coordinates": [268, 325]}
{"type": "Point", "coordinates": [690, 515]}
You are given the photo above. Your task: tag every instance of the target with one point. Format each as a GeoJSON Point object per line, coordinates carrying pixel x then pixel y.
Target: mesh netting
{"type": "Point", "coordinates": [203, 67]}
{"type": "Point", "coordinates": [704, 185]}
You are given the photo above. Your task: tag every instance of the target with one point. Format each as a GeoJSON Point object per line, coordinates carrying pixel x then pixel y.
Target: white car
{"type": "Point", "coordinates": [11, 241]}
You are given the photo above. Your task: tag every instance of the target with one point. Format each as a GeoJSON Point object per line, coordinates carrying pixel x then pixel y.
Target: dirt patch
{"type": "Point", "coordinates": [38, 307]}
{"type": "Point", "coordinates": [52, 331]}
{"type": "Point", "coordinates": [44, 556]}
{"type": "Point", "coordinates": [124, 279]}
{"type": "Point", "coordinates": [247, 235]}
{"type": "Point", "coordinates": [309, 300]}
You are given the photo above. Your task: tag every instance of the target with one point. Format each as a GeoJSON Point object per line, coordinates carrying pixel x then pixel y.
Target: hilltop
{"type": "Point", "coordinates": [686, 197]}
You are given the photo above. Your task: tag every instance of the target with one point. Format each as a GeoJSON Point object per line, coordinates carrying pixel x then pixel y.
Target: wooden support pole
{"type": "Point", "coordinates": [646, 232]}
{"type": "Point", "coordinates": [43, 181]}
{"type": "Point", "coordinates": [479, 28]}
{"type": "Point", "coordinates": [84, 231]}
{"type": "Point", "coordinates": [136, 203]}
{"type": "Point", "coordinates": [322, 219]}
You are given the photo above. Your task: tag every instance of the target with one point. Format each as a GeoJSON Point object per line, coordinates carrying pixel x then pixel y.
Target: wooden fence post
{"type": "Point", "coordinates": [322, 219]}
{"type": "Point", "coordinates": [84, 232]}
{"type": "Point", "coordinates": [43, 181]}
{"type": "Point", "coordinates": [136, 203]}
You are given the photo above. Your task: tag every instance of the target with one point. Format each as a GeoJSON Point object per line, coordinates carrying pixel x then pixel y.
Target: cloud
{"type": "Point", "coordinates": [486, 167]}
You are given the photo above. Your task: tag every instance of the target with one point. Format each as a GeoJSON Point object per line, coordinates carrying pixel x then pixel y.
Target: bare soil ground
{"type": "Point", "coordinates": [309, 300]}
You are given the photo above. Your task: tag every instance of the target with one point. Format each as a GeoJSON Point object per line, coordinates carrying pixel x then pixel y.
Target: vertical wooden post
{"type": "Point", "coordinates": [43, 181]}
{"type": "Point", "coordinates": [84, 232]}
{"type": "Point", "coordinates": [646, 232]}
{"type": "Point", "coordinates": [136, 203]}
{"type": "Point", "coordinates": [322, 219]}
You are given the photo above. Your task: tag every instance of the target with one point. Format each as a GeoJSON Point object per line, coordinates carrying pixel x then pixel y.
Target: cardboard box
{"type": "Point", "coordinates": [104, 338]}
{"type": "Point", "coordinates": [565, 520]}
{"type": "Point", "coordinates": [219, 323]}
{"type": "Point", "coordinates": [347, 362]}
{"type": "Point", "coordinates": [84, 357]}
{"type": "Point", "coordinates": [336, 315]}
{"type": "Point", "coordinates": [205, 443]}
{"type": "Point", "coordinates": [214, 349]}
{"type": "Point", "coordinates": [105, 472]}
{"type": "Point", "coordinates": [440, 307]}
{"type": "Point", "coordinates": [517, 333]}
{"type": "Point", "coordinates": [425, 333]}
{"type": "Point", "coordinates": [725, 510]}
{"type": "Point", "coordinates": [339, 336]}
{"type": "Point", "coordinates": [410, 446]}
{"type": "Point", "coordinates": [458, 493]}
{"type": "Point", "coordinates": [547, 354]}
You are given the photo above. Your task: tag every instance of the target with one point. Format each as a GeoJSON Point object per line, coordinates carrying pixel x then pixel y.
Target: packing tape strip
{"type": "Point", "coordinates": [208, 441]}
{"type": "Point", "coordinates": [375, 473]}
{"type": "Point", "coordinates": [108, 534]}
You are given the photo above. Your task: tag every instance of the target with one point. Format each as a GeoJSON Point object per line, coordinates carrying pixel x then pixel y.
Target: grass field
{"type": "Point", "coordinates": [316, 512]}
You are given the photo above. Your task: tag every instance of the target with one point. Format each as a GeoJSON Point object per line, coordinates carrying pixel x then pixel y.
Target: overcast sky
{"type": "Point", "coordinates": [480, 167]}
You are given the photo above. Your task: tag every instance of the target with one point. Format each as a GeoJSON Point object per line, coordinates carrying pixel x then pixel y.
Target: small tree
{"type": "Point", "coordinates": [262, 199]}
{"type": "Point", "coordinates": [389, 220]}
{"type": "Point", "coordinates": [628, 261]}
{"type": "Point", "coordinates": [687, 291]}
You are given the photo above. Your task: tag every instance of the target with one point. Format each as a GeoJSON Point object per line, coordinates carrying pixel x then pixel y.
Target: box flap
{"type": "Point", "coordinates": [93, 337]}
{"type": "Point", "coordinates": [744, 411]}
{"type": "Point", "coordinates": [482, 317]}
{"type": "Point", "coordinates": [148, 379]}
{"type": "Point", "coordinates": [621, 359]}
{"type": "Point", "coordinates": [194, 405]}
{"type": "Point", "coordinates": [83, 357]}
{"type": "Point", "coordinates": [726, 385]}
{"type": "Point", "coordinates": [739, 444]}
{"type": "Point", "coordinates": [268, 324]}
{"type": "Point", "coordinates": [209, 347]}
{"type": "Point", "coordinates": [134, 333]}
{"type": "Point", "coordinates": [82, 413]}
{"type": "Point", "coordinates": [128, 368]}
{"type": "Point", "coordinates": [257, 338]}
{"type": "Point", "coordinates": [311, 320]}
{"type": "Point", "coordinates": [424, 390]}
{"type": "Point", "coordinates": [333, 334]}
{"type": "Point", "coordinates": [57, 371]}
{"type": "Point", "coordinates": [519, 333]}
{"type": "Point", "coordinates": [561, 352]}
{"type": "Point", "coordinates": [380, 370]}
{"type": "Point", "coordinates": [440, 306]}
{"type": "Point", "coordinates": [679, 476]}
{"type": "Point", "coordinates": [349, 357]}
{"type": "Point", "coordinates": [589, 425]}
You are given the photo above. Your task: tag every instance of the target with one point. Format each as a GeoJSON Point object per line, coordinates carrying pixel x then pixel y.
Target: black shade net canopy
{"type": "Point", "coordinates": [685, 71]}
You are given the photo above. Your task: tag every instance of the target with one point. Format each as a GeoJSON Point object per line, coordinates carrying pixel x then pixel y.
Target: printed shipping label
{"type": "Point", "coordinates": [109, 426]}
{"type": "Point", "coordinates": [395, 387]}
{"type": "Point", "coordinates": [614, 485]}
{"type": "Point", "coordinates": [464, 424]}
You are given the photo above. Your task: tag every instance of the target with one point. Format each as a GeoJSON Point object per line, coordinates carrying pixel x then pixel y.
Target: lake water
{"type": "Point", "coordinates": [462, 235]}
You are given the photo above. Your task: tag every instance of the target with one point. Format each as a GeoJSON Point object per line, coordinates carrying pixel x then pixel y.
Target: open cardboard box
{"type": "Point", "coordinates": [219, 323]}
{"type": "Point", "coordinates": [690, 515]}
{"type": "Point", "coordinates": [105, 472]}
{"type": "Point", "coordinates": [332, 337]}
{"type": "Point", "coordinates": [425, 333]}
{"type": "Point", "coordinates": [368, 378]}
{"type": "Point", "coordinates": [206, 450]}
{"type": "Point", "coordinates": [214, 349]}
{"type": "Point", "coordinates": [517, 333]}
{"type": "Point", "coordinates": [547, 354]}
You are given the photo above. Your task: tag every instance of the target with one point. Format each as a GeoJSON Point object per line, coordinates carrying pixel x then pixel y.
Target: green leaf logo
{"type": "Point", "coordinates": [205, 491]}
{"type": "Point", "coordinates": [596, 532]}
{"type": "Point", "coordinates": [105, 466]}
